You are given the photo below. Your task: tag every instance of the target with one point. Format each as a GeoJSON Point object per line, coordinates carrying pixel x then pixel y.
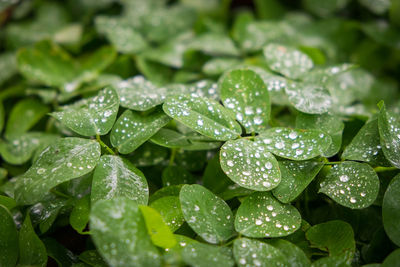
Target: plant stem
{"type": "Point", "coordinates": [384, 169]}
{"type": "Point", "coordinates": [172, 158]}
{"type": "Point", "coordinates": [103, 145]}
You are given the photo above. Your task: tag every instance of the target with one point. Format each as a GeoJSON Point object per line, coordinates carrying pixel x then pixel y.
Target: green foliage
{"type": "Point", "coordinates": [199, 133]}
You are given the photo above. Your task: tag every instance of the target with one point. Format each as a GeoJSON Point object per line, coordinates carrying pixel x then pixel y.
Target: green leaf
{"type": "Point", "coordinates": [24, 115]}
{"type": "Point", "coordinates": [294, 255]}
{"type": "Point", "coordinates": [32, 251]}
{"type": "Point", "coordinates": [8, 237]}
{"type": "Point", "coordinates": [93, 116]}
{"type": "Point", "coordinates": [59, 253]}
{"type": "Point", "coordinates": [208, 215]}
{"type": "Point", "coordinates": [389, 130]}
{"type": "Point", "coordinates": [49, 64]}
{"type": "Point", "coordinates": [158, 230]}
{"type": "Point", "coordinates": [335, 237]}
{"type": "Point", "coordinates": [330, 124]}
{"type": "Point", "coordinates": [244, 92]}
{"type": "Point", "coordinates": [286, 60]}
{"type": "Point", "coordinates": [391, 210]}
{"type": "Point", "coordinates": [366, 146]}
{"type": "Point", "coordinates": [170, 210]}
{"type": "Point", "coordinates": [172, 190]}
{"type": "Point", "coordinates": [7, 202]}
{"type": "Point", "coordinates": [139, 94]}
{"type": "Point", "coordinates": [392, 259]}
{"type": "Point", "coordinates": [8, 66]}
{"type": "Point", "coordinates": [174, 175]}
{"type": "Point", "coordinates": [250, 165]}
{"type": "Point", "coordinates": [204, 255]}
{"type": "Point", "coordinates": [65, 159]}
{"type": "Point", "coordinates": [309, 98]}
{"type": "Point", "coordinates": [204, 116]}
{"type": "Point", "coordinates": [119, 233]}
{"type": "Point", "coordinates": [114, 177]}
{"type": "Point", "coordinates": [149, 154]}
{"type": "Point", "coordinates": [261, 215]}
{"type": "Point", "coordinates": [18, 149]}
{"type": "Point", "coordinates": [297, 176]}
{"type": "Point", "coordinates": [121, 34]}
{"type": "Point", "coordinates": [294, 144]}
{"type": "Point", "coordinates": [214, 44]}
{"type": "Point", "coordinates": [249, 252]}
{"type": "Point", "coordinates": [217, 66]}
{"type": "Point", "coordinates": [131, 129]}
{"type": "Point", "coordinates": [169, 138]}
{"type": "Point", "coordinates": [79, 216]}
{"type": "Point", "coordinates": [93, 258]}
{"type": "Point", "coordinates": [351, 184]}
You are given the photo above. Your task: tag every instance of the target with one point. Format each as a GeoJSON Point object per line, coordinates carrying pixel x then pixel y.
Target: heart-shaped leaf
{"type": "Point", "coordinates": [330, 124]}
{"type": "Point", "coordinates": [140, 94]}
{"type": "Point", "coordinates": [297, 175]}
{"type": "Point", "coordinates": [65, 159]}
{"type": "Point", "coordinates": [249, 252]}
{"type": "Point", "coordinates": [351, 184]}
{"type": "Point", "coordinates": [170, 209]}
{"type": "Point", "coordinates": [287, 60]}
{"type": "Point", "coordinates": [244, 92]}
{"type": "Point", "coordinates": [131, 129]}
{"type": "Point", "coordinates": [93, 116]}
{"type": "Point", "coordinates": [120, 235]}
{"type": "Point", "coordinates": [294, 144]}
{"type": "Point", "coordinates": [9, 238]}
{"type": "Point", "coordinates": [204, 116]}
{"type": "Point", "coordinates": [366, 146]}
{"type": "Point", "coordinates": [391, 210]}
{"type": "Point", "coordinates": [249, 165]}
{"type": "Point", "coordinates": [115, 176]}
{"type": "Point", "coordinates": [389, 130]}
{"type": "Point", "coordinates": [159, 232]}
{"type": "Point", "coordinates": [261, 215]}
{"type": "Point", "coordinates": [309, 98]}
{"type": "Point", "coordinates": [335, 237]}
{"type": "Point", "coordinates": [208, 215]}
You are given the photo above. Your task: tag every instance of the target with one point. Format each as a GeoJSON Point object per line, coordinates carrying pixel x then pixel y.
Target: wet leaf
{"type": "Point", "coordinates": [330, 124]}
{"type": "Point", "coordinates": [309, 98]}
{"type": "Point", "coordinates": [351, 184]}
{"type": "Point", "coordinates": [169, 208]}
{"type": "Point", "coordinates": [391, 210]}
{"type": "Point", "coordinates": [204, 116]}
{"type": "Point", "coordinates": [389, 130]}
{"type": "Point", "coordinates": [170, 138]}
{"type": "Point", "coordinates": [79, 216]}
{"type": "Point", "coordinates": [294, 255]}
{"type": "Point", "coordinates": [244, 92]}
{"type": "Point", "coordinates": [249, 252]}
{"type": "Point", "coordinates": [250, 165]}
{"type": "Point", "coordinates": [119, 233]}
{"type": "Point", "coordinates": [214, 44]}
{"type": "Point", "coordinates": [294, 144]}
{"type": "Point", "coordinates": [297, 175]}
{"type": "Point", "coordinates": [131, 129]}
{"type": "Point", "coordinates": [286, 60]}
{"type": "Point", "coordinates": [208, 215]}
{"type": "Point", "coordinates": [261, 215]}
{"type": "Point", "coordinates": [93, 116]}
{"type": "Point", "coordinates": [139, 94]}
{"type": "Point", "coordinates": [114, 177]}
{"type": "Point", "coordinates": [65, 159]}
{"type": "Point", "coordinates": [9, 238]}
{"type": "Point", "coordinates": [219, 65]}
{"type": "Point", "coordinates": [366, 146]}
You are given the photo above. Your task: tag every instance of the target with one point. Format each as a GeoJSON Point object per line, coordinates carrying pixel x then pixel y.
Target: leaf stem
{"type": "Point", "coordinates": [103, 145]}
{"type": "Point", "coordinates": [384, 169]}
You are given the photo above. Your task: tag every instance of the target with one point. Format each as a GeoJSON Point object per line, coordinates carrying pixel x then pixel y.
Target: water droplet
{"type": "Point", "coordinates": [258, 222]}
{"type": "Point", "coordinates": [344, 178]}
